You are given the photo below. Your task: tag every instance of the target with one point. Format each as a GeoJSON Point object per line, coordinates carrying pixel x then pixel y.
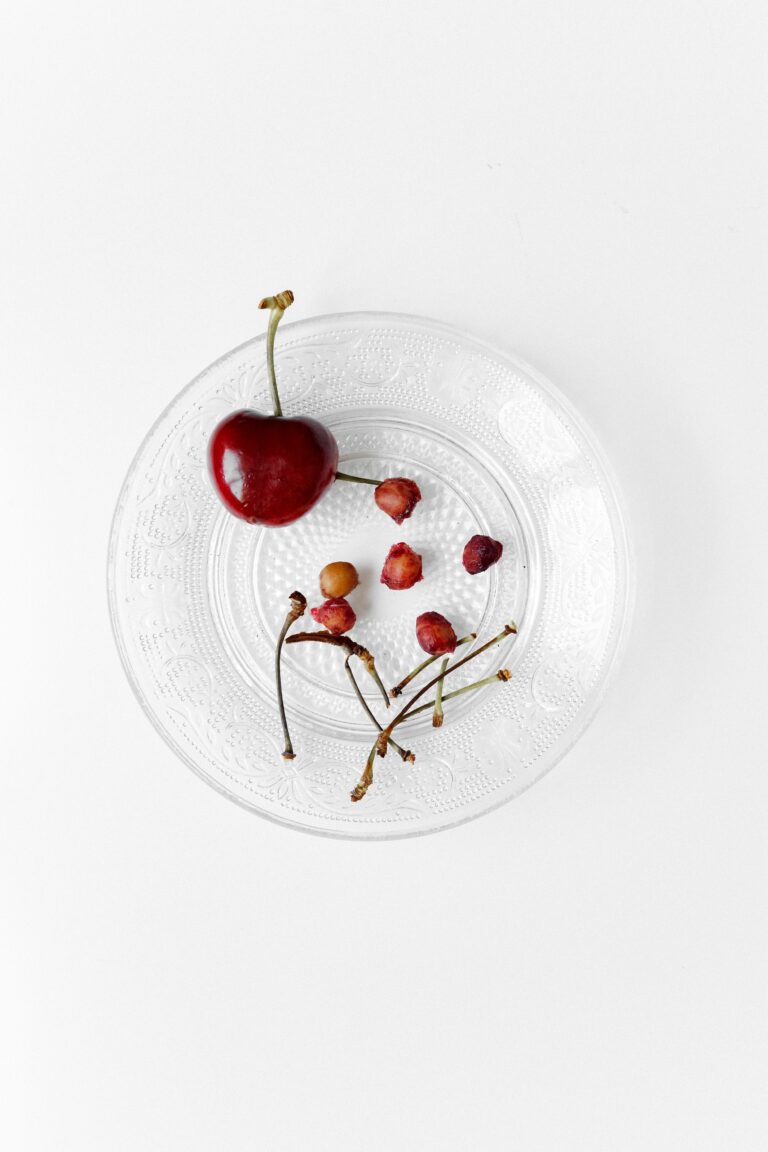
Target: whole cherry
{"type": "Point", "coordinates": [272, 469]}
{"type": "Point", "coordinates": [269, 469]}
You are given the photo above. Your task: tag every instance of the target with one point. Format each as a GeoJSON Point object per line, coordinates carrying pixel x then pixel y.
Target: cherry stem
{"type": "Point", "coordinates": [277, 306]}
{"type": "Point", "coordinates": [437, 715]}
{"type": "Point", "coordinates": [380, 746]}
{"type": "Point", "coordinates": [502, 675]}
{"type": "Point", "coordinates": [366, 779]}
{"type": "Point", "coordinates": [398, 688]}
{"type": "Point", "coordinates": [509, 630]}
{"type": "Point", "coordinates": [298, 605]}
{"type": "Point", "coordinates": [352, 647]}
{"type": "Point", "coordinates": [356, 479]}
{"type": "Point", "coordinates": [403, 752]}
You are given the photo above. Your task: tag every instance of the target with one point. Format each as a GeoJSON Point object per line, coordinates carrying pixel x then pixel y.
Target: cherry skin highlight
{"type": "Point", "coordinates": [480, 552]}
{"type": "Point", "coordinates": [435, 634]}
{"type": "Point", "coordinates": [397, 497]}
{"type": "Point", "coordinates": [336, 616]}
{"type": "Point", "coordinates": [402, 568]}
{"type": "Point", "coordinates": [271, 469]}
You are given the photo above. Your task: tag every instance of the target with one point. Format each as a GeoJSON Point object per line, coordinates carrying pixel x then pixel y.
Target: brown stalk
{"type": "Point", "coordinates": [404, 753]}
{"type": "Point", "coordinates": [298, 606]}
{"type": "Point", "coordinates": [350, 646]}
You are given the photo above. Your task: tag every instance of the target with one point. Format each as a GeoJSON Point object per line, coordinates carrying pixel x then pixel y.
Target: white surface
{"type": "Point", "coordinates": [584, 969]}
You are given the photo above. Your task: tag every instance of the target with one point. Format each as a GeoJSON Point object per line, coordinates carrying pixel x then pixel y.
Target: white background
{"type": "Point", "coordinates": [584, 184]}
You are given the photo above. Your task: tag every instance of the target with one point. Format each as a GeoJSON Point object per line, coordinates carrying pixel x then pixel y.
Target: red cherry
{"type": "Point", "coordinates": [270, 469]}
{"type": "Point", "coordinates": [397, 497]}
{"type": "Point", "coordinates": [435, 634]}
{"type": "Point", "coordinates": [402, 567]}
{"type": "Point", "coordinates": [267, 469]}
{"type": "Point", "coordinates": [336, 616]}
{"type": "Point", "coordinates": [480, 552]}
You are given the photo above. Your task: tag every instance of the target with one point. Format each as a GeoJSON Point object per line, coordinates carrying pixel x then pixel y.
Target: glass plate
{"type": "Point", "coordinates": [198, 597]}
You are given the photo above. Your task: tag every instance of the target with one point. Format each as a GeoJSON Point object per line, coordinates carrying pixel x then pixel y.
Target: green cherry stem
{"type": "Point", "coordinates": [402, 752]}
{"type": "Point", "coordinates": [298, 605]}
{"type": "Point", "coordinates": [502, 675]}
{"type": "Point", "coordinates": [277, 306]}
{"type": "Point", "coordinates": [356, 479]}
{"type": "Point", "coordinates": [398, 688]}
{"type": "Point", "coordinates": [437, 715]}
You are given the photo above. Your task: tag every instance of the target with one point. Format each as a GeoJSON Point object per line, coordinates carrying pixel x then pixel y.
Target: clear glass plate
{"type": "Point", "coordinates": [197, 597]}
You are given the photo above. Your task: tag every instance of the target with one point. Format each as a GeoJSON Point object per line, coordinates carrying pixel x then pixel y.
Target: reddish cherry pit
{"type": "Point", "coordinates": [402, 567]}
{"type": "Point", "coordinates": [480, 552]}
{"type": "Point", "coordinates": [397, 497]}
{"type": "Point", "coordinates": [435, 634]}
{"type": "Point", "coordinates": [336, 616]}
